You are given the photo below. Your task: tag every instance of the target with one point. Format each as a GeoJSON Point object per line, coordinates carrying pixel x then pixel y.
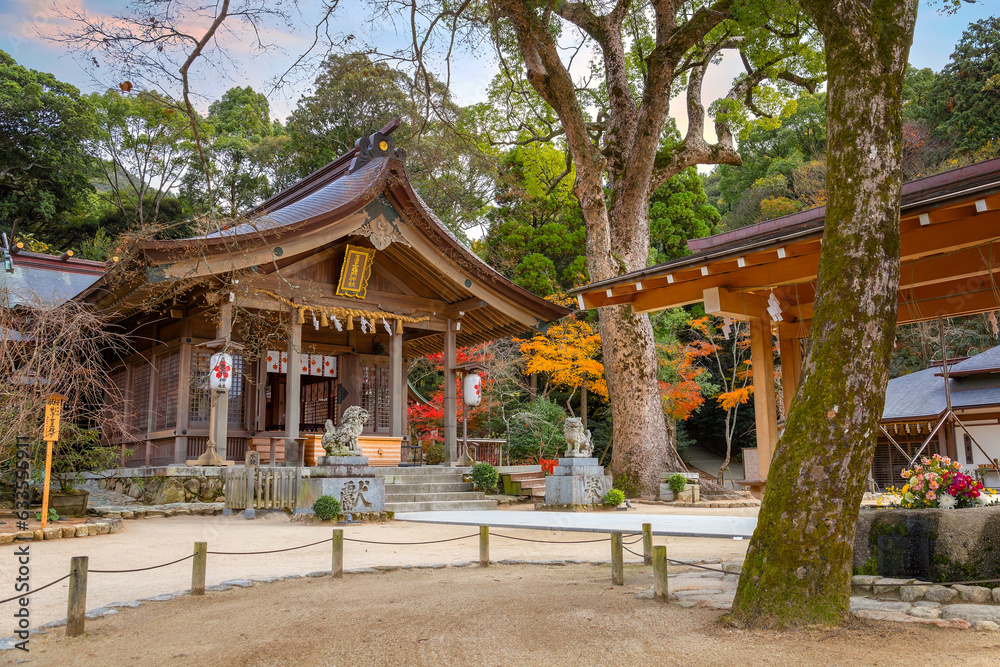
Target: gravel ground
{"type": "Point", "coordinates": [567, 615]}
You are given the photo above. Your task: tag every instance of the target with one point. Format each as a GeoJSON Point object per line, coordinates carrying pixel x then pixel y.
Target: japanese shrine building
{"type": "Point", "coordinates": [321, 295]}
{"type": "Point", "coordinates": [949, 237]}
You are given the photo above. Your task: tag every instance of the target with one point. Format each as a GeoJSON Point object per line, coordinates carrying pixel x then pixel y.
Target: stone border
{"type": "Point", "coordinates": [153, 511]}
{"type": "Point", "coordinates": [85, 529]}
{"type": "Point", "coordinates": [914, 590]}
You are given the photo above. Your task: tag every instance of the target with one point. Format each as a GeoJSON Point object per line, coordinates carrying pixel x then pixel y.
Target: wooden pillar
{"type": "Point", "coordinates": [223, 330]}
{"type": "Point", "coordinates": [583, 405]}
{"type": "Point", "coordinates": [260, 397]}
{"type": "Point", "coordinates": [791, 370]}
{"type": "Point", "coordinates": [764, 400]}
{"type": "Point", "coordinates": [397, 375]}
{"type": "Point", "coordinates": [293, 386]}
{"type": "Point", "coordinates": [450, 398]}
{"type": "Point", "coordinates": [183, 400]}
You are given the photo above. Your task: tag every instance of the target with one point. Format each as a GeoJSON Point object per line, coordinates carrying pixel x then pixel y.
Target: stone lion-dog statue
{"type": "Point", "coordinates": [578, 442]}
{"type": "Point", "coordinates": [343, 440]}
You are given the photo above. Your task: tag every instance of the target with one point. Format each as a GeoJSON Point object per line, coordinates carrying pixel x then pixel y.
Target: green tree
{"type": "Point", "coordinates": [44, 169]}
{"type": "Point", "coordinates": [535, 234]}
{"type": "Point", "coordinates": [963, 100]}
{"type": "Point", "coordinates": [239, 154]}
{"type": "Point", "coordinates": [678, 211]}
{"type": "Point", "coordinates": [144, 146]}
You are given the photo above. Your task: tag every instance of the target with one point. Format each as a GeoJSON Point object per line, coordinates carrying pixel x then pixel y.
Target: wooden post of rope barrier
{"type": "Point", "coordinates": [198, 566]}
{"type": "Point", "coordinates": [338, 553]}
{"type": "Point", "coordinates": [647, 544]}
{"type": "Point", "coordinates": [660, 573]}
{"type": "Point", "coordinates": [484, 546]}
{"type": "Point", "coordinates": [617, 560]}
{"type": "Point", "coordinates": [76, 612]}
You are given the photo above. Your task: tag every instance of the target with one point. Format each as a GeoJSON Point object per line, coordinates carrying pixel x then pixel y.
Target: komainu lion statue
{"type": "Point", "coordinates": [578, 443]}
{"type": "Point", "coordinates": [343, 440]}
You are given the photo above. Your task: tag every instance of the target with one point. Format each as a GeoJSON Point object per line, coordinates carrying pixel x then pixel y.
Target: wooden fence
{"type": "Point", "coordinates": [262, 488]}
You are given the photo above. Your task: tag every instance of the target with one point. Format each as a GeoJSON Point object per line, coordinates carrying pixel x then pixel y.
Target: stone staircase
{"type": "Point", "coordinates": [429, 489]}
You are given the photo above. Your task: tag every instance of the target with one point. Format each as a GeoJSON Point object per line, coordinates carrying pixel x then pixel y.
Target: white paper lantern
{"type": "Point", "coordinates": [472, 389]}
{"type": "Point", "coordinates": [221, 376]}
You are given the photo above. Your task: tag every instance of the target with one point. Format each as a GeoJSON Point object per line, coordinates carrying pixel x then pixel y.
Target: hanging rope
{"type": "Point", "coordinates": [326, 312]}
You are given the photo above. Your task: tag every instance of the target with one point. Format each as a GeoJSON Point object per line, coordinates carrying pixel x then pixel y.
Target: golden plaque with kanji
{"type": "Point", "coordinates": [356, 271]}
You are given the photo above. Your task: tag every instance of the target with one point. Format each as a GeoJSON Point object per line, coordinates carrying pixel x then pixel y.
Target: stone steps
{"type": "Point", "coordinates": [421, 497]}
{"type": "Point", "coordinates": [424, 479]}
{"type": "Point", "coordinates": [431, 488]}
{"type": "Point", "coordinates": [442, 506]}
{"type": "Point", "coordinates": [438, 487]}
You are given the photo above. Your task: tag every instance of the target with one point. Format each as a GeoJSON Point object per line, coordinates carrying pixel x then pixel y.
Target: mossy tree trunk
{"type": "Point", "coordinates": [798, 566]}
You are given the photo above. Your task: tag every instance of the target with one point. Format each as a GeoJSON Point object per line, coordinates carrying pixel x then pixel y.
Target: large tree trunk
{"type": "Point", "coordinates": [618, 241]}
{"type": "Point", "coordinates": [798, 566]}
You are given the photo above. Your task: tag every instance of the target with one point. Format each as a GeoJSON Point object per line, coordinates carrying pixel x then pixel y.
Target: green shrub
{"type": "Point", "coordinates": [614, 497]}
{"type": "Point", "coordinates": [434, 454]}
{"type": "Point", "coordinates": [326, 507]}
{"type": "Point", "coordinates": [485, 476]}
{"type": "Point", "coordinates": [677, 482]}
{"type": "Point", "coordinates": [537, 426]}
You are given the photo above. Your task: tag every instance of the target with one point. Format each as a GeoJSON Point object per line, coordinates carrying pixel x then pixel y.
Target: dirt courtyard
{"type": "Point", "coordinates": [504, 614]}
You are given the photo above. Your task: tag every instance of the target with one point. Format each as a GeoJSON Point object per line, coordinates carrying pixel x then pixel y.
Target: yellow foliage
{"type": "Point", "coordinates": [566, 354]}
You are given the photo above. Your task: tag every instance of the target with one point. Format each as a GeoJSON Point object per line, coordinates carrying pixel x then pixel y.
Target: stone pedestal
{"type": "Point", "coordinates": [349, 479]}
{"type": "Point", "coordinates": [577, 481]}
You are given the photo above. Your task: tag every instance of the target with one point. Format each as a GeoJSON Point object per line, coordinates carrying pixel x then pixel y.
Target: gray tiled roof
{"type": "Point", "coordinates": [922, 394]}
{"type": "Point", "coordinates": [33, 283]}
{"type": "Point", "coordinates": [988, 360]}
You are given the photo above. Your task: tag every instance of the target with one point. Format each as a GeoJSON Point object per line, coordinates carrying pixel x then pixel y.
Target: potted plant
{"type": "Point", "coordinates": [677, 483]}
{"type": "Point", "coordinates": [78, 450]}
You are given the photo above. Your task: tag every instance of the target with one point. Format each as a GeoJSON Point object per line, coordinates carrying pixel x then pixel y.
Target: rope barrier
{"type": "Point", "coordinates": [451, 539]}
{"type": "Point", "coordinates": [271, 551]}
{"type": "Point", "coordinates": [700, 567]}
{"type": "Point", "coordinates": [140, 569]}
{"type": "Point", "coordinates": [526, 539]}
{"type": "Point", "coordinates": [24, 595]}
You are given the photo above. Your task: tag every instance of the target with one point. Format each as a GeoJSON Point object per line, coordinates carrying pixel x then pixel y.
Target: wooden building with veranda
{"type": "Point", "coordinates": [321, 295]}
{"type": "Point", "coordinates": [765, 274]}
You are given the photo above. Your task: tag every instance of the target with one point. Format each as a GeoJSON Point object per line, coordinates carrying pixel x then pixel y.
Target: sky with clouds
{"type": "Point", "coordinates": [23, 23]}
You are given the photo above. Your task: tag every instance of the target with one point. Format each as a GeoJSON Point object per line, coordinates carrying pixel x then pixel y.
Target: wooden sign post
{"type": "Point", "coordinates": [50, 434]}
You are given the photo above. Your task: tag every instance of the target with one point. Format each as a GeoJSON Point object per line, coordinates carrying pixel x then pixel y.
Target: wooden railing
{"type": "Point", "coordinates": [263, 487]}
{"type": "Point", "coordinates": [483, 450]}
{"type": "Point", "coordinates": [236, 448]}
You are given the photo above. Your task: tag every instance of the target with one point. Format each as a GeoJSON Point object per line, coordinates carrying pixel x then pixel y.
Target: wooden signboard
{"type": "Point", "coordinates": [50, 434]}
{"type": "Point", "coordinates": [356, 271]}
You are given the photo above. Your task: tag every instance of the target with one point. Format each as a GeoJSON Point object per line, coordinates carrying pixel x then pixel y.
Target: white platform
{"type": "Point", "coordinates": [676, 525]}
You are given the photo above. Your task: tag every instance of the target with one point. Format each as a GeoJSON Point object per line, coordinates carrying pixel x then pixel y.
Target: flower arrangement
{"type": "Point", "coordinates": [939, 482]}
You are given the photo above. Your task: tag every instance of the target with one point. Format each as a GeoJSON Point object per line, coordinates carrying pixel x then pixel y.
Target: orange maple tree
{"type": "Point", "coordinates": [566, 355]}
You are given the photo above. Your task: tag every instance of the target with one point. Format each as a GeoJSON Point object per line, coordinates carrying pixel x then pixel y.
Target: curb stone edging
{"type": "Point", "coordinates": [88, 528]}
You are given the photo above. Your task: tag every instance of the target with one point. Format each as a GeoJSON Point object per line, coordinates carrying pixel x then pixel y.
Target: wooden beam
{"type": "Point", "coordinates": [737, 305]}
{"type": "Point", "coordinates": [459, 309]}
{"type": "Point", "coordinates": [764, 400]}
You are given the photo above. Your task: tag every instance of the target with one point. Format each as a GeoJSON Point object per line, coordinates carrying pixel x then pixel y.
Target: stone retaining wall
{"type": "Point", "coordinates": [932, 544]}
